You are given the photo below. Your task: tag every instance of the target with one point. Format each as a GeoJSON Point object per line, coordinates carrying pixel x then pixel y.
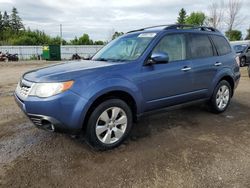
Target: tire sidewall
{"type": "Point", "coordinates": [91, 136]}
{"type": "Point", "coordinates": [213, 100]}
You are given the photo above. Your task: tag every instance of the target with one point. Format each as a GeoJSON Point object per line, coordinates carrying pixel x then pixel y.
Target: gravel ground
{"type": "Point", "coordinates": [186, 147]}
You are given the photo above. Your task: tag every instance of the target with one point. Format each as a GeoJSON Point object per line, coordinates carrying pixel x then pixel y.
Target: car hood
{"type": "Point", "coordinates": [67, 71]}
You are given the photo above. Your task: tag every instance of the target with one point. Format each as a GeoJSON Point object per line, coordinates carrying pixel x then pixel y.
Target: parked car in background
{"type": "Point", "coordinates": [142, 71]}
{"type": "Point", "coordinates": [243, 51]}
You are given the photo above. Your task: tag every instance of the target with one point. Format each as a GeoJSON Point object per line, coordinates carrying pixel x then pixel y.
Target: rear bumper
{"type": "Point", "coordinates": [61, 113]}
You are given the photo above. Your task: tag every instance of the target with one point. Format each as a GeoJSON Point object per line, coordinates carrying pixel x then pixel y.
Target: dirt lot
{"type": "Point", "coordinates": [187, 147]}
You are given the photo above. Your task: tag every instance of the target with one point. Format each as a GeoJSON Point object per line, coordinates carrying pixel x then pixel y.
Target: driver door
{"type": "Point", "coordinates": [170, 83]}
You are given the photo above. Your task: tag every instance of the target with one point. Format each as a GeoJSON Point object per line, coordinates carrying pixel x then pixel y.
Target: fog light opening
{"type": "Point", "coordinates": [48, 125]}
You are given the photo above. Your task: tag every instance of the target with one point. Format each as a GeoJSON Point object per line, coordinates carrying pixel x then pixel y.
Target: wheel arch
{"type": "Point", "coordinates": [112, 94]}
{"type": "Point", "coordinates": [224, 74]}
{"type": "Point", "coordinates": [230, 80]}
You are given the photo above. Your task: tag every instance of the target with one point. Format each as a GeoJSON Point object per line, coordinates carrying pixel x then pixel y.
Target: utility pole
{"type": "Point", "coordinates": [61, 34]}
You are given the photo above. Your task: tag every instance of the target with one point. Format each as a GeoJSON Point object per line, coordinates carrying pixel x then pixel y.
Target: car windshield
{"type": "Point", "coordinates": [240, 48]}
{"type": "Point", "coordinates": [125, 48]}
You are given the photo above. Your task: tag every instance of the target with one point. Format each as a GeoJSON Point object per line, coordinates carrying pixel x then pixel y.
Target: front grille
{"type": "Point", "coordinates": [23, 89]}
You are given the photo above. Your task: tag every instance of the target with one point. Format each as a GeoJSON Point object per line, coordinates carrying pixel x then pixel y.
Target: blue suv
{"type": "Point", "coordinates": [142, 71]}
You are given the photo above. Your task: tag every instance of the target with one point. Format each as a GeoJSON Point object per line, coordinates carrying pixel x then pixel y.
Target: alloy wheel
{"type": "Point", "coordinates": [222, 97]}
{"type": "Point", "coordinates": [111, 125]}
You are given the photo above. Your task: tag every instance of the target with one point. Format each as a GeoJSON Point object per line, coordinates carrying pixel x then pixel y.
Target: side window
{"type": "Point", "coordinates": [200, 46]}
{"type": "Point", "coordinates": [174, 45]}
{"type": "Point", "coordinates": [221, 45]}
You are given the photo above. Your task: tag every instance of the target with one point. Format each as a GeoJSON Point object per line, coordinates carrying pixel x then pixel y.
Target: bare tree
{"type": "Point", "coordinates": [233, 18]}
{"type": "Point", "coordinates": [216, 14]}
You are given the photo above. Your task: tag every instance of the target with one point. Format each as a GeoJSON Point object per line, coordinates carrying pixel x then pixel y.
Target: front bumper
{"type": "Point", "coordinates": [60, 113]}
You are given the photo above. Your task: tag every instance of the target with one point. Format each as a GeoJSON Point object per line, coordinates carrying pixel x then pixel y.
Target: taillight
{"type": "Point", "coordinates": [237, 59]}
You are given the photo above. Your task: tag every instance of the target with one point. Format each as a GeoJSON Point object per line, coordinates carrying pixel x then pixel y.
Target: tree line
{"type": "Point", "coordinates": [221, 15]}
{"type": "Point", "coordinates": [13, 32]}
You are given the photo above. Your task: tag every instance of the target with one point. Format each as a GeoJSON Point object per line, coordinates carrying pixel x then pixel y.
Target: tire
{"type": "Point", "coordinates": [242, 61]}
{"type": "Point", "coordinates": [248, 70]}
{"type": "Point", "coordinates": [221, 97]}
{"type": "Point", "coordinates": [109, 124]}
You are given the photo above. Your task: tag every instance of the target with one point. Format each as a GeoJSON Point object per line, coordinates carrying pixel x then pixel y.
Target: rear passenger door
{"type": "Point", "coordinates": [204, 62]}
{"type": "Point", "coordinates": [224, 56]}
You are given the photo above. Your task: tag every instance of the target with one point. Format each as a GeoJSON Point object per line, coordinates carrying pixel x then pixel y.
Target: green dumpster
{"type": "Point", "coordinates": [52, 53]}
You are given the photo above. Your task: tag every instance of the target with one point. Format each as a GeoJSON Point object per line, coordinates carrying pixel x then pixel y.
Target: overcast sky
{"type": "Point", "coordinates": [99, 18]}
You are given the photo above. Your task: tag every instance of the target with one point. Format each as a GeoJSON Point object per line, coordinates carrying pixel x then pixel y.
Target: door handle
{"type": "Point", "coordinates": [186, 69]}
{"type": "Point", "coordinates": [218, 64]}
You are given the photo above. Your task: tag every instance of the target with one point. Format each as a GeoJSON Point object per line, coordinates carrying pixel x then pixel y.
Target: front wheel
{"type": "Point", "coordinates": [221, 97]}
{"type": "Point", "coordinates": [109, 124]}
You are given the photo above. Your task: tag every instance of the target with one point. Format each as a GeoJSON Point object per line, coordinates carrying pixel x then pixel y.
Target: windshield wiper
{"type": "Point", "coordinates": [119, 60]}
{"type": "Point", "coordinates": [101, 59]}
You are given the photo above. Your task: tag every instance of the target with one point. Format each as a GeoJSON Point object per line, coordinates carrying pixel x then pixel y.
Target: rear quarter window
{"type": "Point", "coordinates": [200, 46]}
{"type": "Point", "coordinates": [221, 44]}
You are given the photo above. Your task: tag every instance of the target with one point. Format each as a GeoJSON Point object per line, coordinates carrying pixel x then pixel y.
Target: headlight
{"type": "Point", "coordinates": [44, 90]}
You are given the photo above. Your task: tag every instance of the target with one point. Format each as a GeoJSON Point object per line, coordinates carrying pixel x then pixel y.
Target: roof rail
{"type": "Point", "coordinates": [204, 28]}
{"type": "Point", "coordinates": [151, 27]}
{"type": "Point", "coordinates": [178, 26]}
{"type": "Point", "coordinates": [183, 26]}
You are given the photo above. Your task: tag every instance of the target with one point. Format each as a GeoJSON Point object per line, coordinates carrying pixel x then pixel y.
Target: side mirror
{"type": "Point", "coordinates": [158, 58]}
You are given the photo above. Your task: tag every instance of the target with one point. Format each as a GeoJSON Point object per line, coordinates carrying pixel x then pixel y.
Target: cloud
{"type": "Point", "coordinates": [99, 18]}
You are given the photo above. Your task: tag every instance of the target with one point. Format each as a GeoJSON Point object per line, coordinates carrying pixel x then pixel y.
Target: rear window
{"type": "Point", "coordinates": [221, 45]}
{"type": "Point", "coordinates": [200, 46]}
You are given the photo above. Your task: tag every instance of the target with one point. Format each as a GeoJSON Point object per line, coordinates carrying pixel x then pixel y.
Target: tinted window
{"type": "Point", "coordinates": [200, 46]}
{"type": "Point", "coordinates": [221, 45]}
{"type": "Point", "coordinates": [174, 45]}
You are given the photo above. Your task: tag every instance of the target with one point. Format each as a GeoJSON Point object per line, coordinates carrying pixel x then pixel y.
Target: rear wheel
{"type": "Point", "coordinates": [221, 97]}
{"type": "Point", "coordinates": [109, 124]}
{"type": "Point", "coordinates": [242, 61]}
